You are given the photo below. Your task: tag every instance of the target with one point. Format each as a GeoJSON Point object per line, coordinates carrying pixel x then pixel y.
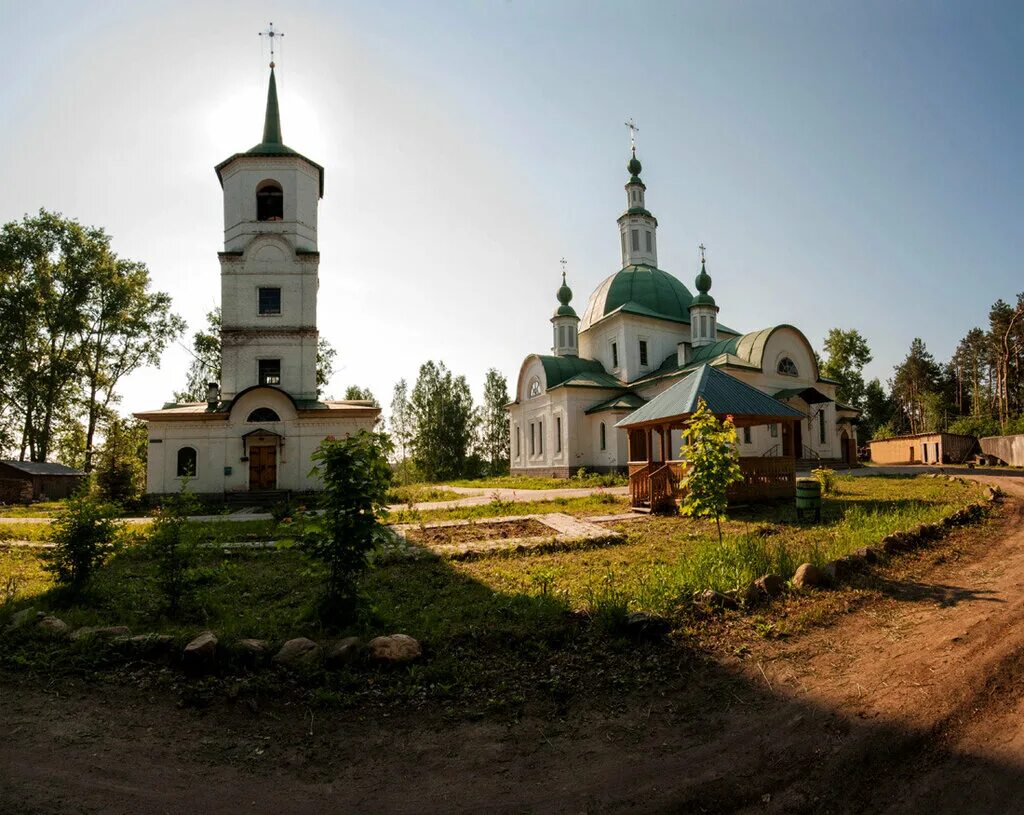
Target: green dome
{"type": "Point", "coordinates": [639, 290]}
{"type": "Point", "coordinates": [564, 296]}
{"type": "Point", "coordinates": [703, 283]}
{"type": "Point", "coordinates": [634, 166]}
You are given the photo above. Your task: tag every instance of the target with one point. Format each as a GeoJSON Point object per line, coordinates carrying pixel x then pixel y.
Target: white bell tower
{"type": "Point", "coordinates": [638, 229]}
{"type": "Point", "coordinates": [703, 310]}
{"type": "Point", "coordinates": [270, 264]}
{"type": "Point", "coordinates": [565, 323]}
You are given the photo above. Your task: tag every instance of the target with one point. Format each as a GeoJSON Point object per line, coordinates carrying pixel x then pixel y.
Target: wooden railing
{"type": "Point", "coordinates": [657, 484]}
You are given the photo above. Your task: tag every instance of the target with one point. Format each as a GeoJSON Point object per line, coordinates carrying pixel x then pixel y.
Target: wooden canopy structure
{"type": "Point", "coordinates": [655, 477]}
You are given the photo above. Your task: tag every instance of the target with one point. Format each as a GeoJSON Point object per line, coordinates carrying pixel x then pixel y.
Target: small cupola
{"type": "Point", "coordinates": [703, 310]}
{"type": "Point", "coordinates": [565, 323]}
{"type": "Point", "coordinates": [638, 229]}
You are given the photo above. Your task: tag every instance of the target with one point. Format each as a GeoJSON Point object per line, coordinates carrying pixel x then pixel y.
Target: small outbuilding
{"type": "Point", "coordinates": [22, 482]}
{"type": "Point", "coordinates": [1007, 449]}
{"type": "Point", "coordinates": [923, 448]}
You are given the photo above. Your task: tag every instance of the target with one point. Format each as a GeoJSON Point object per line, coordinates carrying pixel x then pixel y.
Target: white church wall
{"type": "Point", "coordinates": [626, 330]}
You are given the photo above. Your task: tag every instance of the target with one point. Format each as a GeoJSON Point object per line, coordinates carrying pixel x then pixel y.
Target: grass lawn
{"type": "Point", "coordinates": [601, 504]}
{"type": "Point", "coordinates": [530, 482]}
{"type": "Point", "coordinates": [494, 628]}
{"type": "Point", "coordinates": [42, 509]}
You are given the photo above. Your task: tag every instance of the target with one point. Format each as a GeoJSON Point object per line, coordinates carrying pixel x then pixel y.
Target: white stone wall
{"type": "Point", "coordinates": [627, 330]}
{"type": "Point", "coordinates": [219, 446]}
{"type": "Point", "coordinates": [300, 183]}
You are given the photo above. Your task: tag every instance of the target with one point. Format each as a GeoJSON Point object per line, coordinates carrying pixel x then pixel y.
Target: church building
{"type": "Point", "coordinates": [261, 423]}
{"type": "Point", "coordinates": [643, 331]}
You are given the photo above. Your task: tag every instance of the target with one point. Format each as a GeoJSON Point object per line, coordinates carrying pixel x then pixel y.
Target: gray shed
{"type": "Point", "coordinates": [25, 481]}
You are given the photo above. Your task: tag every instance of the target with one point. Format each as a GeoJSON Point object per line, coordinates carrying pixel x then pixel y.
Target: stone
{"type": "Point", "coordinates": [252, 647]}
{"type": "Point", "coordinates": [716, 599]}
{"type": "Point", "coordinates": [145, 644]}
{"type": "Point", "coordinates": [991, 494]}
{"type": "Point", "coordinates": [24, 617]}
{"type": "Point", "coordinates": [840, 569]}
{"type": "Point", "coordinates": [896, 542]}
{"type": "Point", "coordinates": [100, 632]}
{"type": "Point", "coordinates": [771, 585]}
{"type": "Point", "coordinates": [298, 653]}
{"type": "Point", "coordinates": [396, 648]}
{"type": "Point", "coordinates": [201, 652]}
{"type": "Point", "coordinates": [52, 626]}
{"type": "Point", "coordinates": [868, 554]}
{"type": "Point", "coordinates": [343, 652]}
{"type": "Point", "coordinates": [808, 576]}
{"type": "Point", "coordinates": [642, 625]}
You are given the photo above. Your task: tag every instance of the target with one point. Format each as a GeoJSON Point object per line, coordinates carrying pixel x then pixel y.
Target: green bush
{"type": "Point", "coordinates": [827, 478]}
{"type": "Point", "coordinates": [82, 533]}
{"type": "Point", "coordinates": [356, 478]}
{"type": "Point", "coordinates": [173, 545]}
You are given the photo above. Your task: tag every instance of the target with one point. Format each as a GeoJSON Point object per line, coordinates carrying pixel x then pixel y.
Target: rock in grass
{"type": "Point", "coordinates": [100, 632]}
{"type": "Point", "coordinates": [52, 626]}
{"type": "Point", "coordinates": [771, 585]}
{"type": "Point", "coordinates": [809, 576]}
{"type": "Point", "coordinates": [641, 625]}
{"type": "Point", "coordinates": [298, 653]}
{"type": "Point", "coordinates": [24, 617]}
{"type": "Point", "coordinates": [868, 554]}
{"type": "Point", "coordinates": [394, 649]}
{"type": "Point", "coordinates": [146, 644]}
{"type": "Point", "coordinates": [343, 652]}
{"type": "Point", "coordinates": [252, 649]}
{"type": "Point", "coordinates": [201, 652]}
{"type": "Point", "coordinates": [716, 599]}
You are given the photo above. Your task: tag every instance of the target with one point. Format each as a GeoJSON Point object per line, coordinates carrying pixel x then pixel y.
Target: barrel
{"type": "Point", "coordinates": [808, 497]}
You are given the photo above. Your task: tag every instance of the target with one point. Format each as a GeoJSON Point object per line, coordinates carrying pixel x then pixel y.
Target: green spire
{"type": "Point", "coordinates": [272, 123]}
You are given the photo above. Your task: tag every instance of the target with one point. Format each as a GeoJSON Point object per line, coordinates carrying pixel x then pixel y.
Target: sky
{"type": "Point", "coordinates": [849, 164]}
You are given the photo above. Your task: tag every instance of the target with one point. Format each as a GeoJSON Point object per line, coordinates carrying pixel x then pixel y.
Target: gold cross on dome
{"type": "Point", "coordinates": [633, 130]}
{"type": "Point", "coordinates": [271, 35]}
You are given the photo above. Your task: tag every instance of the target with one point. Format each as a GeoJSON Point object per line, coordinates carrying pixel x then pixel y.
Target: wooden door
{"type": "Point", "coordinates": [262, 468]}
{"type": "Point", "coordinates": [787, 440]}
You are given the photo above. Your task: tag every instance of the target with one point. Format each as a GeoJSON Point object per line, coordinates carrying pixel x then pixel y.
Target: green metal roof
{"type": "Point", "coordinates": [271, 145]}
{"type": "Point", "coordinates": [811, 396]}
{"type": "Point", "coordinates": [558, 369]}
{"type": "Point", "coordinates": [624, 401]}
{"type": "Point", "coordinates": [724, 394]}
{"type": "Point", "coordinates": [592, 379]}
{"type": "Point", "coordinates": [639, 289]}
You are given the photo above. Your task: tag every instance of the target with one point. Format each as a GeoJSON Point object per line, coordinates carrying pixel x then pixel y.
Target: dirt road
{"type": "Point", "coordinates": [912, 703]}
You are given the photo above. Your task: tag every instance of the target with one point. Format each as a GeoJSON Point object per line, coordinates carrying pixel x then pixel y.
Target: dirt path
{"type": "Point", "coordinates": [912, 703]}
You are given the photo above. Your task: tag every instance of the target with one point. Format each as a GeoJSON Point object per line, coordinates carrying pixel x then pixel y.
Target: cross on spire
{"type": "Point", "coordinates": [563, 261]}
{"type": "Point", "coordinates": [701, 247]}
{"type": "Point", "coordinates": [633, 130]}
{"type": "Point", "coordinates": [271, 35]}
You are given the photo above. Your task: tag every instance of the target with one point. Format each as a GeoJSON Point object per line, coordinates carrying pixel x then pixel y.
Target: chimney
{"type": "Point", "coordinates": [683, 352]}
{"type": "Point", "coordinates": [212, 395]}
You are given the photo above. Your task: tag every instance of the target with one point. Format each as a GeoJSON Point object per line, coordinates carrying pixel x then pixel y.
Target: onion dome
{"type": "Point", "coordinates": [564, 296]}
{"type": "Point", "coordinates": [703, 284]}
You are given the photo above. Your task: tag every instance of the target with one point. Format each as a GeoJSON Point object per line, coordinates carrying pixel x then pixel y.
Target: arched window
{"type": "Point", "coordinates": [263, 414]}
{"type": "Point", "coordinates": [187, 462]}
{"type": "Point", "coordinates": [604, 438]}
{"type": "Point", "coordinates": [787, 367]}
{"type": "Point", "coordinates": [269, 202]}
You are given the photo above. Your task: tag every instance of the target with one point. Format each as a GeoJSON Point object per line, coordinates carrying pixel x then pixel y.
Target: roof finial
{"type": "Point", "coordinates": [702, 248]}
{"type": "Point", "coordinates": [563, 261]}
{"type": "Point", "coordinates": [270, 34]}
{"type": "Point", "coordinates": [633, 130]}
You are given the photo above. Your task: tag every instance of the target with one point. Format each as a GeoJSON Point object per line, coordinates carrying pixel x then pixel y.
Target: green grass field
{"type": "Point", "coordinates": [487, 625]}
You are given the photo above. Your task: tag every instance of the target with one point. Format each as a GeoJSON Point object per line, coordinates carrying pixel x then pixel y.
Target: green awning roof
{"type": "Point", "coordinates": [624, 401]}
{"type": "Point", "coordinates": [724, 395]}
{"type": "Point", "coordinates": [811, 396]}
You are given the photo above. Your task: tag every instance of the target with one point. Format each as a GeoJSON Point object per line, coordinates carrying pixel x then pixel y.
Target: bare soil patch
{"type": "Point", "coordinates": [463, 533]}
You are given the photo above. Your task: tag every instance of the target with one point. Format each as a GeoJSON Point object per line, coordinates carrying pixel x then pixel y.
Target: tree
{"type": "Point", "coordinates": [325, 355]}
{"type": "Point", "coordinates": [713, 458]}
{"type": "Point", "coordinates": [443, 421]}
{"type": "Point", "coordinates": [126, 327]}
{"type": "Point", "coordinates": [205, 366]}
{"type": "Point", "coordinates": [493, 423]}
{"type": "Point", "coordinates": [48, 269]}
{"type": "Point", "coordinates": [77, 319]}
{"type": "Point", "coordinates": [81, 533]}
{"type": "Point", "coordinates": [878, 409]}
{"type": "Point", "coordinates": [401, 426]}
{"type": "Point", "coordinates": [848, 353]}
{"type": "Point", "coordinates": [121, 461]}
{"type": "Point", "coordinates": [364, 394]}
{"type": "Point", "coordinates": [356, 478]}
{"type": "Point", "coordinates": [915, 378]}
